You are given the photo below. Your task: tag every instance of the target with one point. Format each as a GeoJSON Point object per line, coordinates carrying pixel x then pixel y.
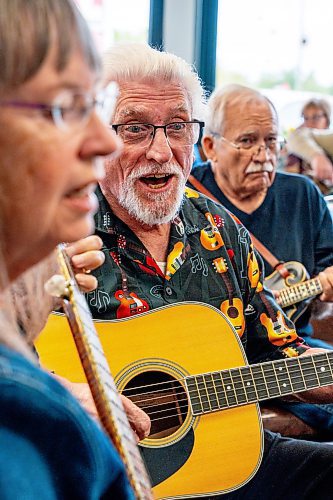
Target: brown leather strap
{"type": "Point", "coordinates": [266, 254]}
{"type": "Point", "coordinates": [201, 188]}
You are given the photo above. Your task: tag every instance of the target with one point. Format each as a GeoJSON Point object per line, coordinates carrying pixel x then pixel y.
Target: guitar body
{"type": "Point", "coordinates": [298, 274]}
{"type": "Point", "coordinates": [185, 455]}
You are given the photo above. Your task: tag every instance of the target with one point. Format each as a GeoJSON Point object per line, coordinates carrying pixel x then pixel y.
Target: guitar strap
{"type": "Point", "coordinates": [276, 264]}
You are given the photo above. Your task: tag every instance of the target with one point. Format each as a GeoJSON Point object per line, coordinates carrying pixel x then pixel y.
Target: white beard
{"type": "Point", "coordinates": [160, 209]}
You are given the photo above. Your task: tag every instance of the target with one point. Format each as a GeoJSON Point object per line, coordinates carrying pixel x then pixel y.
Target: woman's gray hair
{"type": "Point", "coordinates": [224, 97]}
{"type": "Point", "coordinates": [28, 29]}
{"type": "Point", "coordinates": [140, 62]}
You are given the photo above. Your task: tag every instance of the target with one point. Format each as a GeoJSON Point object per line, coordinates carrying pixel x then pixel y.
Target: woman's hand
{"type": "Point", "coordinates": [86, 255]}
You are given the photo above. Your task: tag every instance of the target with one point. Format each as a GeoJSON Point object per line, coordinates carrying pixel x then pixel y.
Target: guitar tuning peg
{"type": "Point", "coordinates": [56, 286]}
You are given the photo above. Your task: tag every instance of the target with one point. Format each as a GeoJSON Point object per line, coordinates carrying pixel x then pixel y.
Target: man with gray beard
{"type": "Point", "coordinates": [164, 245]}
{"type": "Point", "coordinates": [285, 212]}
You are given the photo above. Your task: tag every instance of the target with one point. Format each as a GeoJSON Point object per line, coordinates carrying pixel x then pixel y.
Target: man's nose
{"type": "Point", "coordinates": [262, 153]}
{"type": "Point", "coordinates": [159, 149]}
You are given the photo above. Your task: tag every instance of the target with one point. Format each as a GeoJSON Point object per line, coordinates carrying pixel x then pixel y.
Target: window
{"type": "Point", "coordinates": [282, 46]}
{"type": "Point", "coordinates": [112, 21]}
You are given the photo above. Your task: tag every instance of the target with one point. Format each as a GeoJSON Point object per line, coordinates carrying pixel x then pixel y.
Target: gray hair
{"type": "Point", "coordinates": [28, 29]}
{"type": "Point", "coordinates": [140, 62]}
{"type": "Point", "coordinates": [224, 97]}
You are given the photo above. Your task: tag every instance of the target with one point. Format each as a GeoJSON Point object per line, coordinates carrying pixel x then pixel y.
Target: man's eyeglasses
{"type": "Point", "coordinates": [250, 146]}
{"type": "Point", "coordinates": [70, 109]}
{"type": "Point", "coordinates": [141, 135]}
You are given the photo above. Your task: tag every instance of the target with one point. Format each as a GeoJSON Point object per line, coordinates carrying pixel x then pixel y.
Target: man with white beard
{"type": "Point", "coordinates": [285, 212]}
{"type": "Point", "coordinates": [165, 245]}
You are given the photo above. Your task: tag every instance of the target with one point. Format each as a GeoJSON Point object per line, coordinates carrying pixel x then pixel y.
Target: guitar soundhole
{"type": "Point", "coordinates": [162, 398]}
{"type": "Point", "coordinates": [233, 312]}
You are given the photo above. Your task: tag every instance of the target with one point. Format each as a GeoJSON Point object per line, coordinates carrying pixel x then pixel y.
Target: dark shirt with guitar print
{"type": "Point", "coordinates": [210, 260]}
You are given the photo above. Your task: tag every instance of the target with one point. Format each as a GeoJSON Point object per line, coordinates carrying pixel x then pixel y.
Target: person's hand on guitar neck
{"type": "Point", "coordinates": [326, 280]}
{"type": "Point", "coordinates": [32, 314]}
{"type": "Point", "coordinates": [276, 294]}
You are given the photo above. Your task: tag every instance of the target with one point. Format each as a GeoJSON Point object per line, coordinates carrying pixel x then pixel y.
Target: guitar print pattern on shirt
{"type": "Point", "coordinates": [204, 238]}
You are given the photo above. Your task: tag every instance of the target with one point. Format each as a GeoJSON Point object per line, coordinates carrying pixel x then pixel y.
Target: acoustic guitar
{"type": "Point", "coordinates": [184, 365]}
{"type": "Point", "coordinates": [97, 373]}
{"type": "Point", "coordinates": [296, 290]}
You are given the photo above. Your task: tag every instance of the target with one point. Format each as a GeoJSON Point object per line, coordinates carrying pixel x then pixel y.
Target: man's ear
{"type": "Point", "coordinates": [208, 146]}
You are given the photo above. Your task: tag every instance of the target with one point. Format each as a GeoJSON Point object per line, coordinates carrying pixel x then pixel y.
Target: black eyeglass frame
{"type": "Point", "coordinates": [155, 127]}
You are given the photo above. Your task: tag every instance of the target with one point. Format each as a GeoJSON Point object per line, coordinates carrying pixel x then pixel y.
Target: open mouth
{"type": "Point", "coordinates": [83, 198]}
{"type": "Point", "coordinates": [81, 192]}
{"type": "Point", "coordinates": [156, 181]}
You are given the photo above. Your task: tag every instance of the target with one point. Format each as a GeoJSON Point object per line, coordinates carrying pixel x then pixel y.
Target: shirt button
{"type": "Point", "coordinates": [168, 290]}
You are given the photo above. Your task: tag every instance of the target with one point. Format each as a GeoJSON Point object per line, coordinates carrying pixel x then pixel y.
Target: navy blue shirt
{"type": "Point", "coordinates": [49, 447]}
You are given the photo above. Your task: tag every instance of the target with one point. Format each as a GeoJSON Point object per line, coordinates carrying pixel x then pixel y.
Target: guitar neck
{"type": "Point", "coordinates": [225, 389]}
{"type": "Point", "coordinates": [101, 383]}
{"type": "Point", "coordinates": [301, 291]}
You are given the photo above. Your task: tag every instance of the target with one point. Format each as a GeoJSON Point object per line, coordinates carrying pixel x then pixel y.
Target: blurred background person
{"type": "Point", "coordinates": [315, 148]}
{"type": "Point", "coordinates": [316, 114]}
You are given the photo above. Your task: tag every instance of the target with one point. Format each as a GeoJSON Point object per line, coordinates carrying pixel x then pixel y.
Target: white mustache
{"type": "Point", "coordinates": [255, 167]}
{"type": "Point", "coordinates": [151, 170]}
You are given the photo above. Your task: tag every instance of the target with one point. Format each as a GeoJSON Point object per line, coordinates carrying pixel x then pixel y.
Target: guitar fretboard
{"type": "Point", "coordinates": [301, 291]}
{"type": "Point", "coordinates": [224, 389]}
{"type": "Point", "coordinates": [102, 385]}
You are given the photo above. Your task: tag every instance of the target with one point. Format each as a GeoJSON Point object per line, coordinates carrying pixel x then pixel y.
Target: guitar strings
{"type": "Point", "coordinates": [258, 383]}
{"type": "Point", "coordinates": [289, 369]}
{"type": "Point", "coordinates": [220, 406]}
{"type": "Point", "coordinates": [253, 376]}
{"type": "Point", "coordinates": [214, 391]}
{"type": "Point", "coordinates": [294, 294]}
{"type": "Point", "coordinates": [142, 403]}
{"type": "Point", "coordinates": [186, 406]}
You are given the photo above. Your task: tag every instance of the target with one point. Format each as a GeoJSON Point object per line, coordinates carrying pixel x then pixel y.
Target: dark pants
{"type": "Point", "coordinates": [291, 469]}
